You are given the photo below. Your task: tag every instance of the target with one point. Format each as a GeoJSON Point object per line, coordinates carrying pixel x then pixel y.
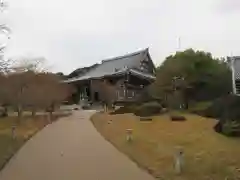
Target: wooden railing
{"type": "Point", "coordinates": [127, 95]}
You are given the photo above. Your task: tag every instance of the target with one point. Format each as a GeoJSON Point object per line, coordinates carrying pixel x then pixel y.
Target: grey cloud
{"type": "Point", "coordinates": [229, 5]}
{"type": "Point", "coordinates": [74, 50]}
{"type": "Point", "coordinates": [74, 34]}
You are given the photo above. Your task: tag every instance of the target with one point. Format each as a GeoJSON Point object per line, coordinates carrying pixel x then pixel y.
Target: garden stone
{"type": "Point", "coordinates": [178, 164]}
{"type": "Point", "coordinates": [13, 132]}
{"type": "Point", "coordinates": [129, 136]}
{"type": "Point", "coordinates": [145, 119]}
{"type": "Point", "coordinates": [177, 118]}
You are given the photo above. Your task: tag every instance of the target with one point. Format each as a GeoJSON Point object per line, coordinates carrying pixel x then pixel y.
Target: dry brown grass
{"type": "Point", "coordinates": [207, 154]}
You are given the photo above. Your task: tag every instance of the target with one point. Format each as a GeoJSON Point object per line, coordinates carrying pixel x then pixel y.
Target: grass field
{"type": "Point", "coordinates": [26, 129]}
{"type": "Point", "coordinates": [207, 154]}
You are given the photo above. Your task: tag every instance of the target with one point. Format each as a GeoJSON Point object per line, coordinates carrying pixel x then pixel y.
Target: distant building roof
{"type": "Point", "coordinates": [116, 66]}
{"type": "Point", "coordinates": [81, 71]}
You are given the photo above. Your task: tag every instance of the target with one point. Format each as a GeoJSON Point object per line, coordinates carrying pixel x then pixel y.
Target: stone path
{"type": "Point", "coordinates": [71, 149]}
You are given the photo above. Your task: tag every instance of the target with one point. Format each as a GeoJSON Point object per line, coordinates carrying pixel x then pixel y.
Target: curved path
{"type": "Point", "coordinates": [71, 149]}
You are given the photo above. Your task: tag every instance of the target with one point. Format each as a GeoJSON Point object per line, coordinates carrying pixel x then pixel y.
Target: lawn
{"type": "Point", "coordinates": [207, 154]}
{"type": "Point", "coordinates": [24, 130]}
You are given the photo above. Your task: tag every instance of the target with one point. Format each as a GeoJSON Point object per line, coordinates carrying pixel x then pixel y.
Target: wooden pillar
{"type": "Point", "coordinates": [117, 94]}
{"type": "Point", "coordinates": [91, 92]}
{"type": "Point", "coordinates": [84, 92]}
{"type": "Point", "coordinates": [125, 85]}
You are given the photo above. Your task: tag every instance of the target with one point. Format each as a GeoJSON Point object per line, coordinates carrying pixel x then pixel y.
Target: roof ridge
{"type": "Point", "coordinates": [126, 55]}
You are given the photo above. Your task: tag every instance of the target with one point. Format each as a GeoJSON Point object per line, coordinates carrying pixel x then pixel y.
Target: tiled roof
{"type": "Point", "coordinates": [81, 71]}
{"type": "Point", "coordinates": [118, 65]}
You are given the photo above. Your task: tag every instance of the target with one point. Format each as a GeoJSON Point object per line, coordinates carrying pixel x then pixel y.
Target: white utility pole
{"type": "Point", "coordinates": [179, 43]}
{"type": "Point", "coordinates": [232, 62]}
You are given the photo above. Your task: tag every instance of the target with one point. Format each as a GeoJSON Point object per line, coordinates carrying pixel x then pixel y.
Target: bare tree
{"type": "Point", "coordinates": [16, 89]}
{"type": "Point", "coordinates": [35, 91]}
{"type": "Point", "coordinates": [26, 84]}
{"type": "Point", "coordinates": [4, 30]}
{"type": "Point", "coordinates": [19, 81]}
{"type": "Point", "coordinates": [108, 94]}
{"type": "Point", "coordinates": [3, 95]}
{"type": "Point", "coordinates": [52, 92]}
{"type": "Point", "coordinates": [24, 64]}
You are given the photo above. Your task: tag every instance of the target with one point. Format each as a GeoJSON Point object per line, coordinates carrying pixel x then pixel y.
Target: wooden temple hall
{"type": "Point", "coordinates": [121, 78]}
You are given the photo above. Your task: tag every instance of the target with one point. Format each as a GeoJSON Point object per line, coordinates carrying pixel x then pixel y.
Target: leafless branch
{"type": "Point", "coordinates": [3, 5]}
{"type": "Point", "coordinates": [29, 64]}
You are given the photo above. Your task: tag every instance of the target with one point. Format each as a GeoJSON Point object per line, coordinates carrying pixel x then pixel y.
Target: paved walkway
{"type": "Point", "coordinates": [71, 149]}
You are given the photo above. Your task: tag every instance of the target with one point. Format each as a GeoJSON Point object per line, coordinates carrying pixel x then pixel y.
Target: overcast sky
{"type": "Point", "coordinates": [76, 33]}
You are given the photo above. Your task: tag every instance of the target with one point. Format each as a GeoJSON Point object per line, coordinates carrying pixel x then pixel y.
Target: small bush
{"type": "Point", "coordinates": [227, 110]}
{"type": "Point", "coordinates": [200, 107]}
{"type": "Point", "coordinates": [164, 110]}
{"type": "Point", "coordinates": [140, 109]}
{"type": "Point", "coordinates": [148, 109]}
{"type": "Point", "coordinates": [85, 107]}
{"type": "Point", "coordinates": [218, 127]}
{"type": "Point", "coordinates": [125, 109]}
{"type": "Point", "coordinates": [231, 128]}
{"type": "Point", "coordinates": [227, 107]}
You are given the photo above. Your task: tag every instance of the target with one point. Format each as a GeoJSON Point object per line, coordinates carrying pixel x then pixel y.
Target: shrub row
{"type": "Point", "coordinates": [227, 107]}
{"type": "Point", "coordinates": [148, 109]}
{"type": "Point", "coordinates": [143, 109]}
{"type": "Point", "coordinates": [227, 111]}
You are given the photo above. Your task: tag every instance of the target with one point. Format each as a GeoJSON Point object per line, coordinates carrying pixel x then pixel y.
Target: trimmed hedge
{"type": "Point", "coordinates": [227, 111]}
{"type": "Point", "coordinates": [231, 128]}
{"type": "Point", "coordinates": [148, 109]}
{"type": "Point", "coordinates": [227, 107]}
{"type": "Point", "coordinates": [143, 110]}
{"type": "Point", "coordinates": [125, 109]}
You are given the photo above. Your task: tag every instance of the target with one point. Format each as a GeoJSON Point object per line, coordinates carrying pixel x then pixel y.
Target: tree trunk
{"type": "Point", "coordinates": [5, 111]}
{"type": "Point", "coordinates": [50, 117]}
{"type": "Point", "coordinates": [19, 111]}
{"type": "Point", "coordinates": [186, 99]}
{"type": "Point", "coordinates": [105, 107]}
{"type": "Point", "coordinates": [186, 103]}
{"type": "Point", "coordinates": [33, 112]}
{"type": "Point", "coordinates": [51, 110]}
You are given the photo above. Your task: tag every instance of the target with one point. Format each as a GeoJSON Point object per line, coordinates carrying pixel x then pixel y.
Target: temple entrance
{"type": "Point", "coordinates": [88, 91]}
{"type": "Point", "coordinates": [96, 96]}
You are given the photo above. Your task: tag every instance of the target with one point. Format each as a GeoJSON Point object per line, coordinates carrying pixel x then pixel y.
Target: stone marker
{"type": "Point", "coordinates": [179, 160]}
{"type": "Point", "coordinates": [129, 136]}
{"type": "Point", "coordinates": [13, 132]}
